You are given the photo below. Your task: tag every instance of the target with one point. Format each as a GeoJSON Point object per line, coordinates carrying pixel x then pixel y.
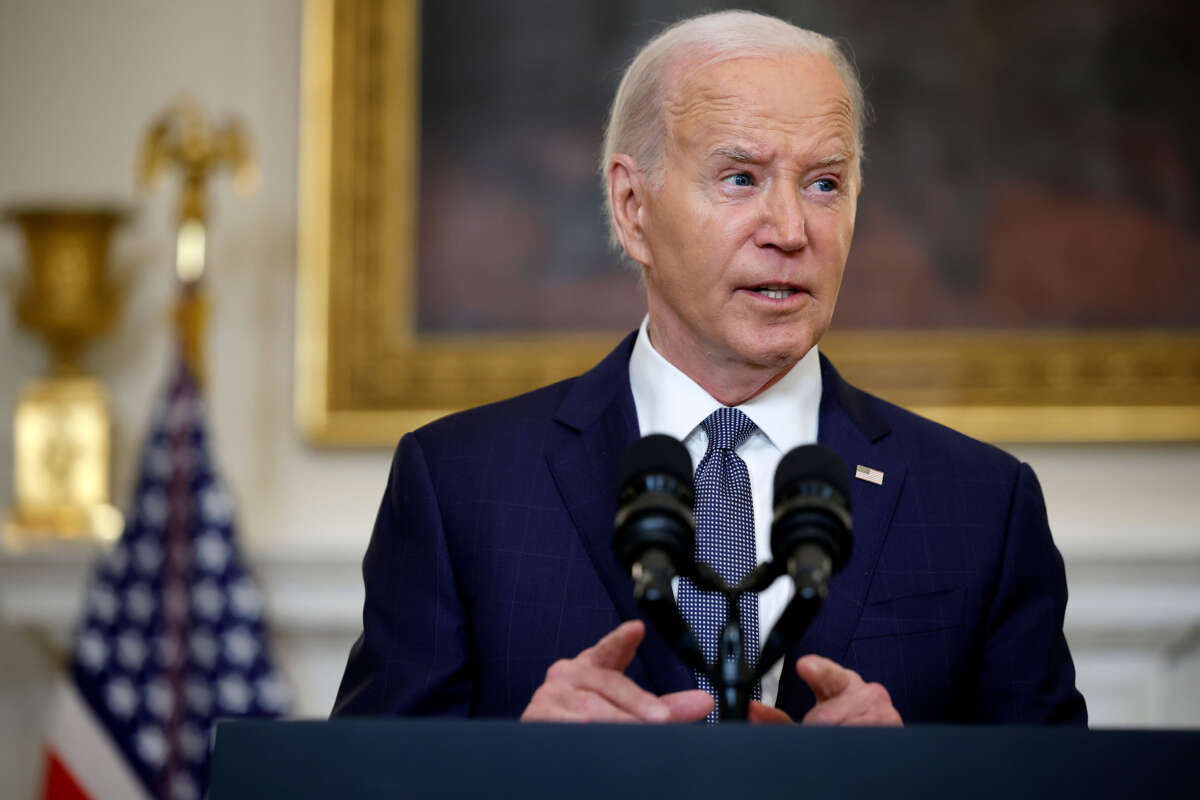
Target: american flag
{"type": "Point", "coordinates": [172, 635]}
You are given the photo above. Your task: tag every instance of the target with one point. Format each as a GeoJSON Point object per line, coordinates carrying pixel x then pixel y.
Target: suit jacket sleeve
{"type": "Point", "coordinates": [1027, 675]}
{"type": "Point", "coordinates": [413, 654]}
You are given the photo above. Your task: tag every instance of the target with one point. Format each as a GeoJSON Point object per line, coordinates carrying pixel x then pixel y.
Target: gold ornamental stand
{"type": "Point", "coordinates": [62, 429]}
{"type": "Point", "coordinates": [62, 425]}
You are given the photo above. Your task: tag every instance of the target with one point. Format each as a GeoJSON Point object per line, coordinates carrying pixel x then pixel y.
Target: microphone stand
{"type": "Point", "coordinates": [731, 674]}
{"type": "Point", "coordinates": [655, 537]}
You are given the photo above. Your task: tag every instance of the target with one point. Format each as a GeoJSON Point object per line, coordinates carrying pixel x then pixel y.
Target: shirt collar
{"type": "Point", "coordinates": [670, 402]}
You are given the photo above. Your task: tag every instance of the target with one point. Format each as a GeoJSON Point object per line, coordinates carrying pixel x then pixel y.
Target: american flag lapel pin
{"type": "Point", "coordinates": [869, 475]}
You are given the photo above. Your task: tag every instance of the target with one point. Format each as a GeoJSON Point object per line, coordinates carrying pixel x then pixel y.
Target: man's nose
{"type": "Point", "coordinates": [783, 220]}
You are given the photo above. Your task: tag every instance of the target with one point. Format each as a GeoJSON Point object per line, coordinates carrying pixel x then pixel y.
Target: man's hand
{"type": "Point", "coordinates": [592, 687]}
{"type": "Point", "coordinates": [842, 696]}
{"type": "Point", "coordinates": [762, 714]}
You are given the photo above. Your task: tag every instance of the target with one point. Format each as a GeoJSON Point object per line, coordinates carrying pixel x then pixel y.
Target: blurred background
{"type": "Point", "coordinates": [1060, 195]}
{"type": "Point", "coordinates": [1004, 138]}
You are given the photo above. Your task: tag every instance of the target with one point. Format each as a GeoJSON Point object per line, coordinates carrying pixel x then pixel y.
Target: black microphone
{"type": "Point", "coordinates": [810, 533]}
{"type": "Point", "coordinates": [655, 537]}
{"type": "Point", "coordinates": [655, 531]}
{"type": "Point", "coordinates": [812, 523]}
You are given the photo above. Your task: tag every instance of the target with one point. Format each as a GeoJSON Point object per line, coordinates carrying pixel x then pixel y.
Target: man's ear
{"type": "Point", "coordinates": [626, 203]}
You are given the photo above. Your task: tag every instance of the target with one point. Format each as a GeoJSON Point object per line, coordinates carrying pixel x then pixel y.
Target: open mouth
{"type": "Point", "coordinates": [774, 291]}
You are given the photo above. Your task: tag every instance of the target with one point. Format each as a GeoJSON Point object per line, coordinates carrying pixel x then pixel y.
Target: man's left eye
{"type": "Point", "coordinates": [826, 185]}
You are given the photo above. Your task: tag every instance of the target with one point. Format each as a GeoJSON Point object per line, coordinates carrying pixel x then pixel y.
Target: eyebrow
{"type": "Point", "coordinates": [735, 153]}
{"type": "Point", "coordinates": [829, 161]}
{"type": "Point", "coordinates": [744, 156]}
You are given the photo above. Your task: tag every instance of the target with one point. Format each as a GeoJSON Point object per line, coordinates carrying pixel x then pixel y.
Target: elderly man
{"type": "Point", "coordinates": [732, 163]}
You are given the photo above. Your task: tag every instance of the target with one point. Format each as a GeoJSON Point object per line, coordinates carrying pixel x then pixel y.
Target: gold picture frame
{"type": "Point", "coordinates": [364, 376]}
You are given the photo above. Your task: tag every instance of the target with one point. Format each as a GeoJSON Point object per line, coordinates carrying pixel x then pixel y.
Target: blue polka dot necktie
{"type": "Point", "coordinates": [724, 514]}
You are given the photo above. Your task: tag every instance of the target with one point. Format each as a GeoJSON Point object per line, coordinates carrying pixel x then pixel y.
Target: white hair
{"type": "Point", "coordinates": [636, 122]}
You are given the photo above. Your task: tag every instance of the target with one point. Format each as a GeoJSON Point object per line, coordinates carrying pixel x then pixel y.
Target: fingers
{"type": "Point", "coordinates": [842, 696]}
{"type": "Point", "coordinates": [593, 687]}
{"type": "Point", "coordinates": [692, 705]}
{"type": "Point", "coordinates": [889, 717]}
{"type": "Point", "coordinates": [761, 714]}
{"type": "Point", "coordinates": [872, 705]}
{"type": "Point", "coordinates": [554, 703]}
{"type": "Point", "coordinates": [609, 686]}
{"type": "Point", "coordinates": [616, 649]}
{"type": "Point", "coordinates": [826, 678]}
{"type": "Point", "coordinates": [864, 705]}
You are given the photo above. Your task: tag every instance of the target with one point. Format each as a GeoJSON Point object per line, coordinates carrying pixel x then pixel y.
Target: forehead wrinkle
{"type": "Point", "coordinates": [688, 89]}
{"type": "Point", "coordinates": [697, 103]}
{"type": "Point", "coordinates": [732, 114]}
{"type": "Point", "coordinates": [825, 142]}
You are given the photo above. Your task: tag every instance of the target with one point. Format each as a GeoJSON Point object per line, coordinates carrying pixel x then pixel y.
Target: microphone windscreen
{"type": "Point", "coordinates": [657, 453]}
{"type": "Point", "coordinates": [812, 463]}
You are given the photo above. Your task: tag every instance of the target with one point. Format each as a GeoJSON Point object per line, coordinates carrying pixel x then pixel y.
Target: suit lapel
{"type": "Point", "coordinates": [599, 421]}
{"type": "Point", "coordinates": [850, 427]}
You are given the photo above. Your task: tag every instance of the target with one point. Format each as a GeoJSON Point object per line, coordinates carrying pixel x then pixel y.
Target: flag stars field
{"type": "Point", "coordinates": [192, 742]}
{"type": "Point", "coordinates": [170, 608]}
{"type": "Point", "coordinates": [147, 555]}
{"type": "Point", "coordinates": [92, 650]}
{"type": "Point", "coordinates": [183, 787]}
{"type": "Point", "coordinates": [122, 699]}
{"type": "Point", "coordinates": [199, 696]}
{"type": "Point", "coordinates": [139, 603]}
{"type": "Point", "coordinates": [102, 603]}
{"type": "Point", "coordinates": [212, 554]}
{"type": "Point", "coordinates": [208, 600]}
{"type": "Point", "coordinates": [159, 699]}
{"type": "Point", "coordinates": [131, 650]}
{"type": "Point", "coordinates": [155, 507]}
{"type": "Point", "coordinates": [151, 745]}
{"type": "Point", "coordinates": [241, 647]}
{"type": "Point", "coordinates": [233, 694]}
{"type": "Point", "coordinates": [204, 649]}
{"type": "Point", "coordinates": [245, 600]}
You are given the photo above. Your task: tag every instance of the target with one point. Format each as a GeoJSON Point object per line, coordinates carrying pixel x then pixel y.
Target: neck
{"type": "Point", "coordinates": [730, 382]}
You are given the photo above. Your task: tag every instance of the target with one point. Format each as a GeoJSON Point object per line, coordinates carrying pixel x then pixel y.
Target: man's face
{"type": "Point", "coordinates": [746, 239]}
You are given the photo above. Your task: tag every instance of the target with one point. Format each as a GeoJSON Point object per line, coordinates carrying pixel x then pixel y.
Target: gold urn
{"type": "Point", "coordinates": [62, 429]}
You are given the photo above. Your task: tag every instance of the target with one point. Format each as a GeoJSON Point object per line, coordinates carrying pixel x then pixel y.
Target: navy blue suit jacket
{"type": "Point", "coordinates": [492, 557]}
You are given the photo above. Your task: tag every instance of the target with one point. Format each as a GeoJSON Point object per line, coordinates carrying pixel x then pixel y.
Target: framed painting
{"type": "Point", "coordinates": [1026, 266]}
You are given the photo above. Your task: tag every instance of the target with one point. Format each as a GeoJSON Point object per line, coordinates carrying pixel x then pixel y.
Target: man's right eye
{"type": "Point", "coordinates": [740, 179]}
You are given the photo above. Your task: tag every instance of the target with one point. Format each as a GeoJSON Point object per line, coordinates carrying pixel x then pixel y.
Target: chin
{"type": "Point", "coordinates": [776, 351]}
{"type": "Point", "coordinates": [785, 358]}
{"type": "Point", "coordinates": [776, 356]}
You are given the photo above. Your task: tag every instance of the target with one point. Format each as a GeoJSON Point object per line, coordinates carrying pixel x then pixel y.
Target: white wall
{"type": "Point", "coordinates": [78, 83]}
{"type": "Point", "coordinates": [79, 80]}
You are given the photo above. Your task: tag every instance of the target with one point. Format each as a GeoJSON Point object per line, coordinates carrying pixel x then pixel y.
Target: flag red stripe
{"type": "Point", "coordinates": [59, 783]}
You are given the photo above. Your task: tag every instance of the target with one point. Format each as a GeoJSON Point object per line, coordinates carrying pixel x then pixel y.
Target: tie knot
{"type": "Point", "coordinates": [727, 428]}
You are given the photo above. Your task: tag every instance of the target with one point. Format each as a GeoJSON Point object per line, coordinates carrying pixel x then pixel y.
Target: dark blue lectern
{"type": "Point", "coordinates": [399, 758]}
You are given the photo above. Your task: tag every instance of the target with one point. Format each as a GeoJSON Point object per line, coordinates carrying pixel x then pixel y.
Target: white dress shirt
{"type": "Point", "coordinates": [670, 402]}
